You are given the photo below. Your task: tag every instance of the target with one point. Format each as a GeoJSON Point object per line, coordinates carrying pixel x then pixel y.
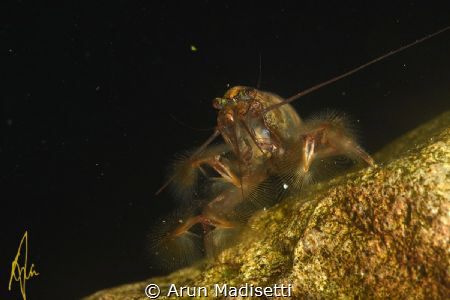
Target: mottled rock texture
{"type": "Point", "coordinates": [381, 232]}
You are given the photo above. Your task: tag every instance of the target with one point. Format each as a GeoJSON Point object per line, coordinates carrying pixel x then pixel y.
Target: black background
{"type": "Point", "coordinates": [90, 93]}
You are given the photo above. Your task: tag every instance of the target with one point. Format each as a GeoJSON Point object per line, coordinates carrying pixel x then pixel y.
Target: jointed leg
{"type": "Point", "coordinates": [328, 140]}
{"type": "Point", "coordinates": [185, 172]}
{"type": "Point", "coordinates": [323, 137]}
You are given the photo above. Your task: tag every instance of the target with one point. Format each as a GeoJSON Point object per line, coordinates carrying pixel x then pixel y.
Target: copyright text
{"type": "Point", "coordinates": [247, 290]}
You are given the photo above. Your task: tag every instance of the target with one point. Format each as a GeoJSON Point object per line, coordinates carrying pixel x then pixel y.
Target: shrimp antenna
{"type": "Point", "coordinates": [258, 83]}
{"type": "Point", "coordinates": [348, 73]}
{"type": "Point", "coordinates": [199, 150]}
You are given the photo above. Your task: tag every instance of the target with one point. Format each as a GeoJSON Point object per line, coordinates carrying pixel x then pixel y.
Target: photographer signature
{"type": "Point", "coordinates": [19, 271]}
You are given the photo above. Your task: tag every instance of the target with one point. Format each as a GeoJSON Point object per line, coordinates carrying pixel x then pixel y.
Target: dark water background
{"type": "Point", "coordinates": [88, 92]}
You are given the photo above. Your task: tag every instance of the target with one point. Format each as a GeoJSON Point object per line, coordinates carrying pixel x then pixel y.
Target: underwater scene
{"type": "Point", "coordinates": [223, 150]}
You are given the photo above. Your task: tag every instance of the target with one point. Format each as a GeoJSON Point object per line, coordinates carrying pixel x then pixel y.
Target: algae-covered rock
{"type": "Point", "coordinates": [381, 232]}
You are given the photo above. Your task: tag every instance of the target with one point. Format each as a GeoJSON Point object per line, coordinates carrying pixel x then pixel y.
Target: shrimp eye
{"type": "Point", "coordinates": [219, 103]}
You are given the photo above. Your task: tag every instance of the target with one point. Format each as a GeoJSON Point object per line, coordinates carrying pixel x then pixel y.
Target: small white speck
{"type": "Point", "coordinates": [285, 186]}
{"type": "Point", "coordinates": [180, 221]}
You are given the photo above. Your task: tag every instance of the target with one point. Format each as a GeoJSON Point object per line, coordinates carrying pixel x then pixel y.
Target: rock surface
{"type": "Point", "coordinates": [381, 232]}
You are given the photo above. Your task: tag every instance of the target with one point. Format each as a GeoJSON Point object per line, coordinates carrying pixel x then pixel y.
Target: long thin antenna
{"type": "Point", "coordinates": [325, 83]}
{"type": "Point", "coordinates": [258, 83]}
